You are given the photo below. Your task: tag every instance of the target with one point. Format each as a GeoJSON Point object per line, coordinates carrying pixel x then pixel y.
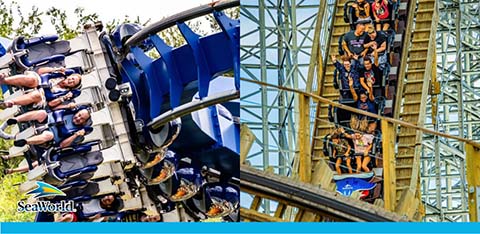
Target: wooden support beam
{"type": "Point", "coordinates": [473, 179]}
{"type": "Point", "coordinates": [253, 215]}
{"type": "Point", "coordinates": [280, 211]}
{"type": "Point", "coordinates": [246, 139]}
{"type": "Point", "coordinates": [366, 113]}
{"type": "Point", "coordinates": [388, 145]}
{"type": "Point", "coordinates": [408, 204]}
{"type": "Point", "coordinates": [305, 168]}
{"type": "Point", "coordinates": [257, 201]}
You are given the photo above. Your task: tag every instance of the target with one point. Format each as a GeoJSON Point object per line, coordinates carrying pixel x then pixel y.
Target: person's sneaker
{"type": "Point", "coordinates": [12, 121]}
{"type": "Point", "coordinates": [2, 77]}
{"type": "Point", "coordinates": [20, 143]}
{"type": "Point", "coordinates": [5, 104]}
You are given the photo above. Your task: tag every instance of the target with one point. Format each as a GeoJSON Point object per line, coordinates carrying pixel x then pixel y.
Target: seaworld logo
{"type": "Point", "coordinates": [46, 190]}
{"type": "Point", "coordinates": [46, 206]}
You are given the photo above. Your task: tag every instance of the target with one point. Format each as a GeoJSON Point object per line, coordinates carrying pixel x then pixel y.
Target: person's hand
{"type": "Point", "coordinates": [364, 53]}
{"type": "Point", "coordinates": [80, 132]}
{"type": "Point", "coordinates": [334, 58]}
{"type": "Point", "coordinates": [374, 46]}
{"type": "Point", "coordinates": [341, 130]}
{"type": "Point", "coordinates": [60, 70]}
{"type": "Point", "coordinates": [355, 56]}
{"type": "Point", "coordinates": [350, 54]}
{"type": "Point", "coordinates": [377, 20]}
{"type": "Point", "coordinates": [68, 96]}
{"type": "Point", "coordinates": [71, 105]}
{"type": "Point", "coordinates": [369, 83]}
{"type": "Point", "coordinates": [350, 81]}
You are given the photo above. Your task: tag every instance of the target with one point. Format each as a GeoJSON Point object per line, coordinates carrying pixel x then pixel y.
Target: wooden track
{"type": "Point", "coordinates": [413, 89]}
{"type": "Point", "coordinates": [326, 89]}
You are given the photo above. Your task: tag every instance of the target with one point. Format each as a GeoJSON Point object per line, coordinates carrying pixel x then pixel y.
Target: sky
{"type": "Point", "coordinates": [109, 10]}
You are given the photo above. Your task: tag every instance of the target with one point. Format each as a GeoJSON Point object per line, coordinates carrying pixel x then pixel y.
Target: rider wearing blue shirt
{"type": "Point", "coordinates": [364, 103]}
{"type": "Point", "coordinates": [346, 70]}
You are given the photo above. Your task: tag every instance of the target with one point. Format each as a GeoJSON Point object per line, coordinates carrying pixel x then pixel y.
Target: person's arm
{"type": "Point", "coordinates": [335, 62]}
{"type": "Point", "coordinates": [67, 142]}
{"type": "Point", "coordinates": [368, 44]}
{"type": "Point", "coordinates": [367, 10]}
{"type": "Point", "coordinates": [362, 82]}
{"type": "Point", "coordinates": [352, 90]}
{"type": "Point", "coordinates": [70, 105]}
{"type": "Point", "coordinates": [375, 13]}
{"type": "Point", "coordinates": [348, 150]}
{"type": "Point", "coordinates": [370, 92]}
{"type": "Point", "coordinates": [382, 47]}
{"type": "Point", "coordinates": [334, 153]}
{"type": "Point", "coordinates": [345, 48]}
{"type": "Point", "coordinates": [364, 52]}
{"type": "Point", "coordinates": [357, 11]}
{"type": "Point", "coordinates": [375, 55]}
{"type": "Point", "coordinates": [58, 101]}
{"type": "Point", "coordinates": [44, 70]}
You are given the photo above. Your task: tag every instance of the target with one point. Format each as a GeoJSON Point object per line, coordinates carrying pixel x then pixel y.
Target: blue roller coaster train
{"type": "Point", "coordinates": [146, 139]}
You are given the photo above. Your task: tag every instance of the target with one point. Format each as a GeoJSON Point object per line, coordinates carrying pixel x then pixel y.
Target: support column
{"type": "Point", "coordinates": [473, 180]}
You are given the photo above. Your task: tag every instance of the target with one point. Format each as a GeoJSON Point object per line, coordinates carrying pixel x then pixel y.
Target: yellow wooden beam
{"type": "Point", "coordinates": [280, 211]}
{"type": "Point", "coordinates": [256, 216]}
{"type": "Point", "coordinates": [257, 201]}
{"type": "Point", "coordinates": [473, 180]}
{"type": "Point", "coordinates": [247, 138]}
{"type": "Point", "coordinates": [366, 113]}
{"type": "Point", "coordinates": [389, 175]}
{"type": "Point", "coordinates": [305, 168]}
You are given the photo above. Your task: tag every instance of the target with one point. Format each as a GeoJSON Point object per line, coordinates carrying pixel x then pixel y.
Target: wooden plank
{"type": "Point", "coordinates": [280, 211]}
{"type": "Point", "coordinates": [247, 138]}
{"type": "Point", "coordinates": [388, 145]}
{"type": "Point", "coordinates": [473, 179]}
{"type": "Point", "coordinates": [257, 201]}
{"type": "Point", "coordinates": [305, 168]}
{"type": "Point", "coordinates": [253, 215]}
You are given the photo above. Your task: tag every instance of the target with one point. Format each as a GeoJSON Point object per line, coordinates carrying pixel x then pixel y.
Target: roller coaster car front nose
{"type": "Point", "coordinates": [220, 209]}
{"type": "Point", "coordinates": [184, 192]}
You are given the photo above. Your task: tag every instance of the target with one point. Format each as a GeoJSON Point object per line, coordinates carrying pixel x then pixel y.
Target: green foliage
{"type": "Point", "coordinates": [9, 193]}
{"type": "Point", "coordinates": [59, 20]}
{"type": "Point", "coordinates": [9, 196]}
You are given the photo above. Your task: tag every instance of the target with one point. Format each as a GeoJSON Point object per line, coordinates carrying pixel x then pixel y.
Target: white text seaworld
{"type": "Point", "coordinates": [46, 206]}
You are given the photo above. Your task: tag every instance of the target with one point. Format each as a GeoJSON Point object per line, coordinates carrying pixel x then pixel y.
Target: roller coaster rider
{"type": "Point", "coordinates": [64, 127]}
{"type": "Point", "coordinates": [48, 83]}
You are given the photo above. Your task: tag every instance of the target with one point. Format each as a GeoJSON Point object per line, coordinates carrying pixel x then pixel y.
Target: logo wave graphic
{"type": "Point", "coordinates": [45, 190]}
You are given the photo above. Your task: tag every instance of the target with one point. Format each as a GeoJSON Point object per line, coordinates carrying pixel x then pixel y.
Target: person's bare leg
{"type": "Point", "coordinates": [26, 99]}
{"type": "Point", "coordinates": [359, 163]}
{"type": "Point", "coordinates": [21, 80]}
{"type": "Point", "coordinates": [21, 169]}
{"type": "Point", "coordinates": [337, 165]}
{"type": "Point", "coordinates": [386, 26]}
{"type": "Point", "coordinates": [366, 160]}
{"type": "Point", "coordinates": [350, 170]}
{"type": "Point", "coordinates": [38, 115]}
{"type": "Point", "coordinates": [40, 139]}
